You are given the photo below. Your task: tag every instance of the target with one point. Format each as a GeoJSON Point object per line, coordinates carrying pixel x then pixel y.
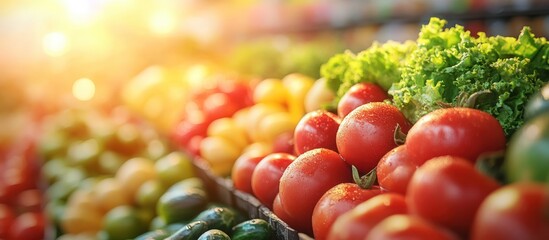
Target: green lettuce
{"type": "Point", "coordinates": [449, 63]}
{"type": "Point", "coordinates": [380, 64]}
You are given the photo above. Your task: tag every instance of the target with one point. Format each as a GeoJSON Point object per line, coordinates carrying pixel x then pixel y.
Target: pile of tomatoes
{"type": "Point", "coordinates": [366, 172]}
{"type": "Point", "coordinates": [21, 198]}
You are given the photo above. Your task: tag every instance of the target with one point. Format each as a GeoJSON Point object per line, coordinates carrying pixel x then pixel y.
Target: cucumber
{"type": "Point", "coordinates": [222, 218]}
{"type": "Point", "coordinates": [188, 183]}
{"type": "Point", "coordinates": [254, 229]}
{"type": "Point", "coordinates": [191, 231]}
{"type": "Point", "coordinates": [154, 235]}
{"type": "Point", "coordinates": [181, 205]}
{"type": "Point", "coordinates": [214, 234]}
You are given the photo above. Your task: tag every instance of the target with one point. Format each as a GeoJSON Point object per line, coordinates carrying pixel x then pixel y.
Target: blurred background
{"type": "Point", "coordinates": [55, 54]}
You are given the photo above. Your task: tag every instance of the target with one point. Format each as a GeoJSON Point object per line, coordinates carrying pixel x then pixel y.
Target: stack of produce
{"type": "Point", "coordinates": [105, 172]}
{"type": "Point", "coordinates": [435, 127]}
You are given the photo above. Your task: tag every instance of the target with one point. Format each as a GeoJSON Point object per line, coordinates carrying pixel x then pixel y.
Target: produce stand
{"type": "Point", "coordinates": [137, 121]}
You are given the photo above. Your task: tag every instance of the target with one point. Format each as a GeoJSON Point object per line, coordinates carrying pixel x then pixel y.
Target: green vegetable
{"type": "Point", "coordinates": [254, 229]}
{"type": "Point", "coordinates": [190, 231]}
{"type": "Point", "coordinates": [214, 234]}
{"type": "Point", "coordinates": [222, 218]}
{"type": "Point", "coordinates": [449, 62]}
{"type": "Point", "coordinates": [153, 235]}
{"type": "Point", "coordinates": [538, 103]}
{"type": "Point", "coordinates": [446, 65]}
{"type": "Point", "coordinates": [380, 64]}
{"type": "Point", "coordinates": [527, 157]}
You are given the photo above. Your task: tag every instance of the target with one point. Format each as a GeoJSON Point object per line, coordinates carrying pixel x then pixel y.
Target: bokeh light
{"type": "Point", "coordinates": [83, 89]}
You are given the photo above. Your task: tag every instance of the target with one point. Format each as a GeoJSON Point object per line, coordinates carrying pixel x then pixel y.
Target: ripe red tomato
{"type": "Point", "coordinates": [194, 125]}
{"type": "Point", "coordinates": [219, 105]}
{"type": "Point", "coordinates": [29, 201]}
{"type": "Point", "coordinates": [237, 90]}
{"type": "Point", "coordinates": [242, 171]}
{"type": "Point", "coordinates": [462, 132]}
{"type": "Point", "coordinates": [335, 202]}
{"type": "Point", "coordinates": [284, 143]}
{"type": "Point", "coordinates": [402, 226]}
{"type": "Point", "coordinates": [357, 223]}
{"type": "Point", "coordinates": [360, 94]}
{"type": "Point", "coordinates": [7, 217]}
{"type": "Point", "coordinates": [516, 211]}
{"type": "Point", "coordinates": [307, 178]}
{"type": "Point", "coordinates": [367, 133]}
{"type": "Point", "coordinates": [279, 211]}
{"type": "Point", "coordinates": [448, 191]}
{"type": "Point", "coordinates": [28, 226]}
{"type": "Point", "coordinates": [267, 174]}
{"type": "Point", "coordinates": [316, 129]}
{"type": "Point", "coordinates": [395, 169]}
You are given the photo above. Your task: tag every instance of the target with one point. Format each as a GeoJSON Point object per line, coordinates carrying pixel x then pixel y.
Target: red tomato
{"type": "Point", "coordinates": [316, 129]}
{"type": "Point", "coordinates": [266, 176]}
{"type": "Point", "coordinates": [6, 220]}
{"type": "Point", "coordinates": [448, 191]}
{"type": "Point", "coordinates": [462, 132]}
{"type": "Point", "coordinates": [395, 170]}
{"type": "Point", "coordinates": [193, 126]}
{"type": "Point", "coordinates": [356, 223]}
{"type": "Point", "coordinates": [335, 202]}
{"type": "Point", "coordinates": [358, 95]}
{"type": "Point", "coordinates": [29, 201]}
{"type": "Point", "coordinates": [516, 211]}
{"type": "Point", "coordinates": [279, 211]}
{"type": "Point", "coordinates": [219, 105]}
{"type": "Point", "coordinates": [284, 143]}
{"type": "Point", "coordinates": [242, 171]}
{"type": "Point", "coordinates": [239, 92]}
{"type": "Point", "coordinates": [367, 133]}
{"type": "Point", "coordinates": [307, 178]}
{"type": "Point", "coordinates": [402, 226]}
{"type": "Point", "coordinates": [28, 226]}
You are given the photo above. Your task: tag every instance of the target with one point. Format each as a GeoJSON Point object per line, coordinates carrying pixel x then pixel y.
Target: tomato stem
{"type": "Point", "coordinates": [366, 181]}
{"type": "Point", "coordinates": [399, 136]}
{"type": "Point", "coordinates": [471, 101]}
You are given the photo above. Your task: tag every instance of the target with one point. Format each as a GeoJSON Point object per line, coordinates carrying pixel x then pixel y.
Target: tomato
{"type": "Point", "coordinates": [360, 94]}
{"type": "Point", "coordinates": [335, 202]}
{"type": "Point", "coordinates": [29, 201]}
{"type": "Point", "coordinates": [462, 132]}
{"type": "Point", "coordinates": [7, 216]}
{"type": "Point", "coordinates": [173, 168]}
{"type": "Point", "coordinates": [28, 226]}
{"type": "Point", "coordinates": [219, 105]}
{"type": "Point", "coordinates": [527, 158]}
{"type": "Point", "coordinates": [189, 128]}
{"type": "Point", "coordinates": [516, 211]}
{"type": "Point", "coordinates": [123, 222]}
{"type": "Point", "coordinates": [242, 171]}
{"type": "Point", "coordinates": [284, 143]}
{"type": "Point", "coordinates": [266, 176]}
{"type": "Point", "coordinates": [356, 223]}
{"type": "Point", "coordinates": [395, 169]}
{"type": "Point", "coordinates": [537, 104]}
{"type": "Point", "coordinates": [367, 133]}
{"type": "Point", "coordinates": [307, 178]}
{"type": "Point", "coordinates": [402, 226]}
{"type": "Point", "coordinates": [279, 211]}
{"type": "Point", "coordinates": [236, 90]}
{"type": "Point", "coordinates": [448, 191]}
{"type": "Point", "coordinates": [318, 95]}
{"type": "Point", "coordinates": [316, 129]}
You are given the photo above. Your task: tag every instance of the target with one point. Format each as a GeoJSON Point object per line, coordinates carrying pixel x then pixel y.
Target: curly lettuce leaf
{"type": "Point", "coordinates": [379, 64]}
{"type": "Point", "coordinates": [449, 62]}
